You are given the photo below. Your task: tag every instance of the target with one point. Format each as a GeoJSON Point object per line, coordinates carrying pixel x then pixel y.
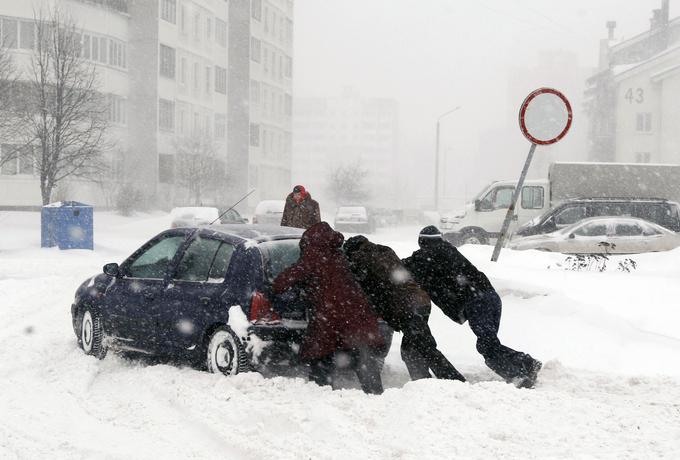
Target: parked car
{"type": "Point", "coordinates": [193, 216]}
{"type": "Point", "coordinates": [231, 216]}
{"type": "Point", "coordinates": [663, 212]}
{"type": "Point", "coordinates": [172, 298]}
{"type": "Point", "coordinates": [603, 235]}
{"type": "Point", "coordinates": [269, 212]}
{"type": "Point", "coordinates": [353, 219]}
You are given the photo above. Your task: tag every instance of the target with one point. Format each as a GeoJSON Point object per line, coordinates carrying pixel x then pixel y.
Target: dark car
{"type": "Point", "coordinates": [662, 212]}
{"type": "Point", "coordinates": [172, 298]}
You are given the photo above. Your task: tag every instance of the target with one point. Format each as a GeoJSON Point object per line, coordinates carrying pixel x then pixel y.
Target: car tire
{"type": "Point", "coordinates": [92, 333]}
{"type": "Point", "coordinates": [473, 237]}
{"type": "Point", "coordinates": [225, 354]}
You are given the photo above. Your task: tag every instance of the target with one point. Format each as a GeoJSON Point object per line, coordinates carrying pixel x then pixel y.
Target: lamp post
{"type": "Point", "coordinates": [436, 159]}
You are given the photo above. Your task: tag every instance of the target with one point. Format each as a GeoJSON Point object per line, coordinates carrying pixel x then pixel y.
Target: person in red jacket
{"type": "Point", "coordinates": [341, 316]}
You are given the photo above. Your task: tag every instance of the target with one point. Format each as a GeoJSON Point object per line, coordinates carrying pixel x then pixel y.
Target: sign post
{"type": "Point", "coordinates": [544, 118]}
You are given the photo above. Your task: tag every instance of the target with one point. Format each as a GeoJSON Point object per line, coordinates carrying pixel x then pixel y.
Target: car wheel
{"type": "Point", "coordinates": [92, 334]}
{"type": "Point", "coordinates": [225, 353]}
{"type": "Point", "coordinates": [473, 238]}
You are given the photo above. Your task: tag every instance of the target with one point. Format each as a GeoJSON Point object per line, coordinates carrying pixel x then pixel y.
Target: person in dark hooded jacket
{"type": "Point", "coordinates": [341, 316]}
{"type": "Point", "coordinates": [300, 211]}
{"type": "Point", "coordinates": [465, 294]}
{"type": "Point", "coordinates": [401, 303]}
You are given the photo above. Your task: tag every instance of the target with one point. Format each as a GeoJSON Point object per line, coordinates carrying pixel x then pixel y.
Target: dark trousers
{"type": "Point", "coordinates": [420, 354]}
{"type": "Point", "coordinates": [484, 316]}
{"type": "Point", "coordinates": [366, 366]}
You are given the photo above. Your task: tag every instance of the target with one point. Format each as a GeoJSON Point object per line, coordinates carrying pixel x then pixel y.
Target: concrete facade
{"type": "Point", "coordinates": [189, 71]}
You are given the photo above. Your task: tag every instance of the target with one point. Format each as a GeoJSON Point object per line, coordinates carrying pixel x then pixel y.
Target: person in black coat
{"type": "Point", "coordinates": [465, 294]}
{"type": "Point", "coordinates": [401, 303]}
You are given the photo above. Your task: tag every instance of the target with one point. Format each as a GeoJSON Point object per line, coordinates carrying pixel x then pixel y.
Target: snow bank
{"type": "Point", "coordinates": [609, 389]}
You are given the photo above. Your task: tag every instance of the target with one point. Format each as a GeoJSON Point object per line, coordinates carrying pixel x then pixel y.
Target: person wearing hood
{"type": "Point", "coordinates": [341, 315]}
{"type": "Point", "coordinates": [403, 305]}
{"type": "Point", "coordinates": [300, 211]}
{"type": "Point", "coordinates": [465, 294]}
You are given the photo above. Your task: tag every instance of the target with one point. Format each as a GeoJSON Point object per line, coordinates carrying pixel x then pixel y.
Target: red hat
{"type": "Point", "coordinates": [299, 189]}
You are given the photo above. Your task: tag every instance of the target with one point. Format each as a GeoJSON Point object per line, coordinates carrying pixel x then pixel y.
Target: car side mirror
{"type": "Point", "coordinates": [572, 236]}
{"type": "Point", "coordinates": [112, 269]}
{"type": "Point", "coordinates": [478, 205]}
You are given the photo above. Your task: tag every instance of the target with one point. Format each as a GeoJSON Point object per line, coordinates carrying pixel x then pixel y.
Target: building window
{"type": "Point", "coordinates": [197, 122]}
{"type": "Point", "coordinates": [183, 70]}
{"type": "Point", "coordinates": [208, 28]}
{"type": "Point", "coordinates": [220, 126]}
{"type": "Point", "coordinates": [166, 168]}
{"type": "Point", "coordinates": [208, 72]}
{"type": "Point", "coordinates": [288, 68]}
{"type": "Point", "coordinates": [27, 35]}
{"type": "Point", "coordinates": [86, 46]}
{"type": "Point", "coordinates": [220, 80]}
{"type": "Point", "coordinates": [289, 105]}
{"type": "Point", "coordinates": [643, 157]}
{"type": "Point", "coordinates": [95, 48]}
{"type": "Point", "coordinates": [10, 30]}
{"type": "Point", "coordinates": [168, 11]}
{"type": "Point", "coordinates": [117, 109]}
{"type": "Point", "coordinates": [255, 49]}
{"type": "Point", "coordinates": [197, 26]}
{"type": "Point", "coordinates": [181, 121]}
{"type": "Point", "coordinates": [266, 19]}
{"type": "Point", "coordinates": [197, 77]}
{"type": "Point", "coordinates": [254, 134]}
{"type": "Point", "coordinates": [254, 93]}
{"type": "Point", "coordinates": [166, 115]}
{"type": "Point", "coordinates": [643, 122]}
{"type": "Point", "coordinates": [102, 50]}
{"type": "Point", "coordinates": [182, 19]}
{"type": "Point", "coordinates": [167, 67]}
{"type": "Point", "coordinates": [265, 59]}
{"type": "Point", "coordinates": [221, 32]}
{"type": "Point", "coordinates": [256, 9]}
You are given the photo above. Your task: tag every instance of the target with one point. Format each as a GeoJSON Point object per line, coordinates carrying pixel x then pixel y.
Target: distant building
{"type": "Point", "coordinates": [349, 129]}
{"type": "Point", "coordinates": [172, 69]}
{"type": "Point", "coordinates": [631, 99]}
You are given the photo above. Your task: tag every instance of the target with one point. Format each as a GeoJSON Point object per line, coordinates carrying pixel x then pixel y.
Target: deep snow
{"type": "Point", "coordinates": [610, 387]}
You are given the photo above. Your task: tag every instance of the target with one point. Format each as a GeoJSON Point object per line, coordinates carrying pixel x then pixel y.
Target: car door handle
{"type": "Point", "coordinates": [204, 300]}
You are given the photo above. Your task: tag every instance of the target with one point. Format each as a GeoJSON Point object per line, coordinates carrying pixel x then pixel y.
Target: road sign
{"type": "Point", "coordinates": [545, 118]}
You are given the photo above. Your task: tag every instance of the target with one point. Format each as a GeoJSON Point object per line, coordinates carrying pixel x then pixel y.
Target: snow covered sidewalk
{"type": "Point", "coordinates": [610, 387]}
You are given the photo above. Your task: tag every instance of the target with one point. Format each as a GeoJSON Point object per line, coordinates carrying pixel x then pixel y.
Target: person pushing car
{"type": "Point", "coordinates": [464, 293]}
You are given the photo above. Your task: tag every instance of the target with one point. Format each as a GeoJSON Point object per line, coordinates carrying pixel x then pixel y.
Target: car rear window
{"type": "Point", "coordinates": [279, 255]}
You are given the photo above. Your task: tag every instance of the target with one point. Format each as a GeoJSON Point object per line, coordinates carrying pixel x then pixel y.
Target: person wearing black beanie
{"type": "Point", "coordinates": [465, 294]}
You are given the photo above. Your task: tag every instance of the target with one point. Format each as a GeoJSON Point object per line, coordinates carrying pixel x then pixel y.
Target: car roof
{"type": "Point", "coordinates": [255, 232]}
{"type": "Point", "coordinates": [616, 199]}
{"type": "Point", "coordinates": [616, 219]}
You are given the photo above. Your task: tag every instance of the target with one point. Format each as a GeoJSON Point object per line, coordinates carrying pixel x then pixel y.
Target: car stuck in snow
{"type": "Point", "coordinates": [173, 296]}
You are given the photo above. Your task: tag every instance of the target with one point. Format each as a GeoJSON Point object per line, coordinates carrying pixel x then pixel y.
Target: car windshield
{"type": "Point", "coordinates": [278, 255]}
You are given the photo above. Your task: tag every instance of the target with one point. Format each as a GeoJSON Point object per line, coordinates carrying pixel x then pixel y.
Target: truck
{"type": "Point", "coordinates": [481, 219]}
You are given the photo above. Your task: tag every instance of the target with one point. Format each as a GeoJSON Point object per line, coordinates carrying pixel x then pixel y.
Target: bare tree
{"type": "Point", "coordinates": [197, 167]}
{"type": "Point", "coordinates": [65, 115]}
{"type": "Point", "coordinates": [348, 183]}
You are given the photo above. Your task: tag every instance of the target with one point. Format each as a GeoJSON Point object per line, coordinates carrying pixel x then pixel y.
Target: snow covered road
{"type": "Point", "coordinates": [610, 387]}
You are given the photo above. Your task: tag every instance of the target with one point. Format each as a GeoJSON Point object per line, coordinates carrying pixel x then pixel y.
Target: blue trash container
{"type": "Point", "coordinates": [67, 224]}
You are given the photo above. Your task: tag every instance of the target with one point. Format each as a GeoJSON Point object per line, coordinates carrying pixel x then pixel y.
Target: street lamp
{"type": "Point", "coordinates": [436, 160]}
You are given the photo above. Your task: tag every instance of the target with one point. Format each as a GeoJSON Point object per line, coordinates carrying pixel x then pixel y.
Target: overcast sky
{"type": "Point", "coordinates": [432, 55]}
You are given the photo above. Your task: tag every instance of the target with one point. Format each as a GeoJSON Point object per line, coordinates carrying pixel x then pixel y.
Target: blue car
{"type": "Point", "coordinates": [173, 296]}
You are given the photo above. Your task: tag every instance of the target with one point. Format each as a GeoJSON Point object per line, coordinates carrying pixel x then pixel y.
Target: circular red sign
{"type": "Point", "coordinates": [523, 111]}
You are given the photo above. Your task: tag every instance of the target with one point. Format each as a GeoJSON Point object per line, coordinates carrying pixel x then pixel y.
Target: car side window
{"type": "Point", "coordinates": [627, 230]}
{"type": "Point", "coordinates": [221, 263]}
{"type": "Point", "coordinates": [532, 197]}
{"type": "Point", "coordinates": [570, 215]}
{"type": "Point", "coordinates": [503, 198]}
{"type": "Point", "coordinates": [648, 230]}
{"type": "Point", "coordinates": [197, 260]}
{"type": "Point", "coordinates": [153, 263]}
{"type": "Point", "coordinates": [592, 229]}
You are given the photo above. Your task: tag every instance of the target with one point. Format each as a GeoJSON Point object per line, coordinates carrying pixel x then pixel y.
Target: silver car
{"type": "Point", "coordinates": [603, 235]}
